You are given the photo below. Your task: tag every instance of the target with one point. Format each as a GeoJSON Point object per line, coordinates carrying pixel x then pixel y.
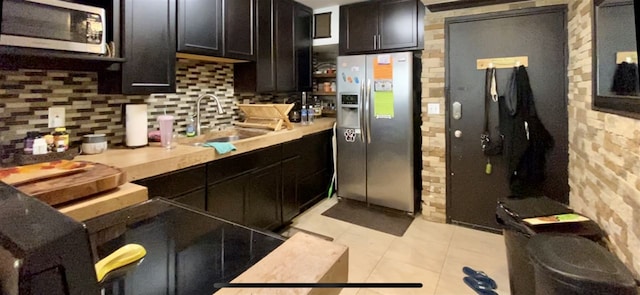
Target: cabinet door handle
{"type": "Point", "coordinates": [375, 42]}
{"type": "Point", "coordinates": [379, 41]}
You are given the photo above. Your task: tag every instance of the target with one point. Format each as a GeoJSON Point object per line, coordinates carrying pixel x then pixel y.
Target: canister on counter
{"type": "Point", "coordinates": [61, 139]}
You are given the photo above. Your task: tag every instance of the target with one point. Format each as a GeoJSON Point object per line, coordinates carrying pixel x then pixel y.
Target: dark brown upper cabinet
{"type": "Point", "coordinates": [200, 27]}
{"type": "Point", "coordinates": [303, 31]}
{"type": "Point", "coordinates": [219, 28]}
{"type": "Point", "coordinates": [148, 32]}
{"type": "Point", "coordinates": [381, 26]}
{"type": "Point", "coordinates": [283, 50]}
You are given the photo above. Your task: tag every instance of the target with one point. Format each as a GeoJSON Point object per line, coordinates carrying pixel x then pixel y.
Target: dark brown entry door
{"type": "Point", "coordinates": [540, 34]}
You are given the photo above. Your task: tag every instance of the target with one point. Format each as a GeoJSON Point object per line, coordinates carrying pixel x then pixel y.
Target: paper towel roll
{"type": "Point", "coordinates": [136, 125]}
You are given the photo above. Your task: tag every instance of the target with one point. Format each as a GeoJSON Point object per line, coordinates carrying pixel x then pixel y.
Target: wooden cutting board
{"type": "Point", "coordinates": [95, 178]}
{"type": "Point", "coordinates": [22, 174]}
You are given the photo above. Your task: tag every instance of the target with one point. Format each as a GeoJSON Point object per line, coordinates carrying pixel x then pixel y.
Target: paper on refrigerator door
{"type": "Point", "coordinates": [382, 95]}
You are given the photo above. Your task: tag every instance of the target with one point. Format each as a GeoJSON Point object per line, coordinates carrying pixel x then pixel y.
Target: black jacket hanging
{"type": "Point", "coordinates": [527, 141]}
{"type": "Point", "coordinates": [625, 79]}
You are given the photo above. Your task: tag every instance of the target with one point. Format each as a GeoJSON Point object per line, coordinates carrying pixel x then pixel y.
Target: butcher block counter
{"type": "Point", "coordinates": [154, 160]}
{"type": "Point", "coordinates": [149, 161]}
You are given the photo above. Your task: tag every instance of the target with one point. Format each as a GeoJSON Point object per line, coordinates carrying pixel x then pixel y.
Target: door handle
{"type": "Point", "coordinates": [379, 41]}
{"type": "Point", "coordinates": [456, 110]}
{"type": "Point", "coordinates": [361, 111]}
{"type": "Point", "coordinates": [375, 42]}
{"type": "Point", "coordinates": [368, 104]}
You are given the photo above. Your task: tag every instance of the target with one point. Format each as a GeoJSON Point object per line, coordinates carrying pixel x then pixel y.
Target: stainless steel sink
{"type": "Point", "coordinates": [230, 135]}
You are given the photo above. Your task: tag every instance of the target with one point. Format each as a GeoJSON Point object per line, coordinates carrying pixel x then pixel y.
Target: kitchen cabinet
{"type": "Point", "coordinates": [226, 199]}
{"type": "Point", "coordinates": [290, 207]}
{"type": "Point", "coordinates": [315, 168]}
{"type": "Point", "coordinates": [285, 46]}
{"type": "Point", "coordinates": [186, 186]}
{"type": "Point", "coordinates": [283, 50]}
{"type": "Point", "coordinates": [220, 28]}
{"type": "Point", "coordinates": [200, 27]}
{"type": "Point", "coordinates": [148, 46]}
{"type": "Point", "coordinates": [303, 42]}
{"type": "Point", "coordinates": [262, 199]}
{"type": "Point", "coordinates": [264, 189]}
{"type": "Point", "coordinates": [246, 188]}
{"type": "Point", "coordinates": [381, 26]}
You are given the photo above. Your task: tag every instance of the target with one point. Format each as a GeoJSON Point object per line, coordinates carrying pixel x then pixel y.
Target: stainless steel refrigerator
{"type": "Point", "coordinates": [378, 130]}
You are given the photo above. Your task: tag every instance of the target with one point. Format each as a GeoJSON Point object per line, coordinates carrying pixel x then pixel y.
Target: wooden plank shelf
{"type": "Point", "coordinates": [332, 75]}
{"type": "Point", "coordinates": [324, 93]}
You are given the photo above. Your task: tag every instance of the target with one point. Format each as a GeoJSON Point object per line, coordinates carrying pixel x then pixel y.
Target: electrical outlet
{"type": "Point", "coordinates": [56, 117]}
{"type": "Point", "coordinates": [433, 108]}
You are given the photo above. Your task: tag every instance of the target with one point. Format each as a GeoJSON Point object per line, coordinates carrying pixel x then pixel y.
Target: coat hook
{"type": "Point", "coordinates": [628, 59]}
{"type": "Point", "coordinates": [517, 63]}
{"type": "Point", "coordinates": [491, 65]}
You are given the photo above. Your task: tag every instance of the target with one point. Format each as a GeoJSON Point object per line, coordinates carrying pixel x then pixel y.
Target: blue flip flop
{"type": "Point", "coordinates": [480, 287]}
{"type": "Point", "coordinates": [480, 276]}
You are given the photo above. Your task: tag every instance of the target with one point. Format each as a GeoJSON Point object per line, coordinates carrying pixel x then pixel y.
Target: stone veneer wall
{"type": "Point", "coordinates": [604, 154]}
{"type": "Point", "coordinates": [604, 150]}
{"type": "Point", "coordinates": [26, 95]}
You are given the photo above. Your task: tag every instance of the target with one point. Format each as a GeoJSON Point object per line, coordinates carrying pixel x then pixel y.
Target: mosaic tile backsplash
{"type": "Point", "coordinates": [26, 95]}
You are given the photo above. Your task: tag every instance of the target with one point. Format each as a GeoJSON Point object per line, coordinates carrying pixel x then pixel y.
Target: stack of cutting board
{"type": "Point", "coordinates": [268, 116]}
{"type": "Point", "coordinates": [62, 181]}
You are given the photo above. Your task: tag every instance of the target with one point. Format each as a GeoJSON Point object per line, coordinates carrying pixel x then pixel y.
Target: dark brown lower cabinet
{"type": "Point", "coordinates": [226, 199]}
{"type": "Point", "coordinates": [262, 198]}
{"type": "Point", "coordinates": [264, 189]}
{"type": "Point", "coordinates": [185, 186]}
{"type": "Point", "coordinates": [290, 207]}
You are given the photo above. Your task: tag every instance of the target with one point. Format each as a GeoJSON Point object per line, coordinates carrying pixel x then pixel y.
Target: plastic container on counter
{"type": "Point", "coordinates": [28, 141]}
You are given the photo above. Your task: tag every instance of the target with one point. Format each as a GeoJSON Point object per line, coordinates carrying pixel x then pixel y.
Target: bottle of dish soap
{"type": "Point", "coordinates": [191, 126]}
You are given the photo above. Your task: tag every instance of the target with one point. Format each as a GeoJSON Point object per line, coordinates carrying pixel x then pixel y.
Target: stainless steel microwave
{"type": "Point", "coordinates": [53, 24]}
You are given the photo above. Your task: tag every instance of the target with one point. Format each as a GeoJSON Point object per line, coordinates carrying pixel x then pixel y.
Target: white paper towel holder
{"type": "Point", "coordinates": [135, 124]}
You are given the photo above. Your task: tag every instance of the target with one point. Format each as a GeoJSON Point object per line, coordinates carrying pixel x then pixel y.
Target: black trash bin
{"type": "Point", "coordinates": [572, 265]}
{"type": "Point", "coordinates": [510, 214]}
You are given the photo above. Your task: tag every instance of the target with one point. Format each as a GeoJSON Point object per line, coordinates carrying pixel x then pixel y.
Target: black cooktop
{"type": "Point", "coordinates": [187, 250]}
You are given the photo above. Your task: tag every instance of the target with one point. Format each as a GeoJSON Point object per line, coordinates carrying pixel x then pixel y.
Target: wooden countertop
{"type": "Point", "coordinates": [154, 160]}
{"type": "Point", "coordinates": [301, 259]}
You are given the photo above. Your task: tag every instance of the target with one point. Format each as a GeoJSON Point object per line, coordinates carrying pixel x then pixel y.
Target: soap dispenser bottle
{"type": "Point", "coordinates": [191, 125]}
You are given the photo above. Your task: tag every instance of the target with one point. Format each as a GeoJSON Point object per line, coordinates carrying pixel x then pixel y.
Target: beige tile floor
{"type": "Point", "coordinates": [430, 253]}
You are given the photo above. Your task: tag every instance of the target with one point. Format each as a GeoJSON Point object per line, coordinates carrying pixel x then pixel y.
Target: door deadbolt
{"type": "Point", "coordinates": [456, 110]}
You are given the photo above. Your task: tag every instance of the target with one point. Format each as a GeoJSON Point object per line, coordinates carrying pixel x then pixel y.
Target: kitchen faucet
{"type": "Point", "coordinates": [215, 98]}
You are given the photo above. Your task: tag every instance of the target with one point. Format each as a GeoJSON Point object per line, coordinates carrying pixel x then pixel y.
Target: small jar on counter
{"type": "Point", "coordinates": [61, 139]}
{"type": "Point", "coordinates": [39, 146]}
{"type": "Point", "coordinates": [28, 141]}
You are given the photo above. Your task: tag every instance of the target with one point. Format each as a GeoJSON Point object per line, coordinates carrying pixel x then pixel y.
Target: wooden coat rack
{"type": "Point", "coordinates": [502, 62]}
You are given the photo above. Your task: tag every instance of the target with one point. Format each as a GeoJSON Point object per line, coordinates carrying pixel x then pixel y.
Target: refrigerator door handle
{"type": "Point", "coordinates": [361, 111]}
{"type": "Point", "coordinates": [367, 108]}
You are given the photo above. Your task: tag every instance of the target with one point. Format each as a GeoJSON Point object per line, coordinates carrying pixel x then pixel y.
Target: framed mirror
{"type": "Point", "coordinates": [616, 86]}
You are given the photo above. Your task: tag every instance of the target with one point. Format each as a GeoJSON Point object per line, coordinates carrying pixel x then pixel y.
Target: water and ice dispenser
{"type": "Point", "coordinates": [349, 114]}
